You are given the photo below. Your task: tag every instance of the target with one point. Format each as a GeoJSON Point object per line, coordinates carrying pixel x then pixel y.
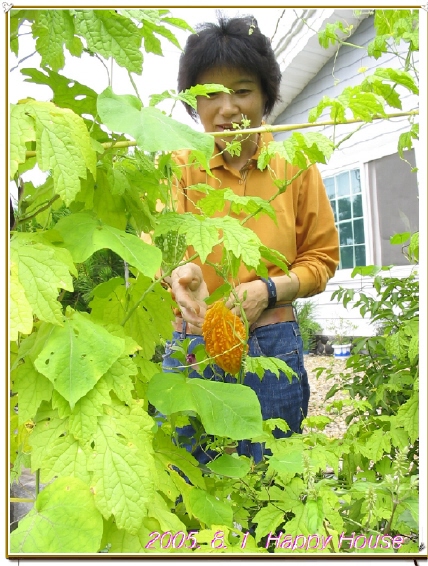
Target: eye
{"type": "Point", "coordinates": [242, 91]}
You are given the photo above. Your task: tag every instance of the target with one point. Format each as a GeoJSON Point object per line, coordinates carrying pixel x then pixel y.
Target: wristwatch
{"type": "Point", "coordinates": [271, 291]}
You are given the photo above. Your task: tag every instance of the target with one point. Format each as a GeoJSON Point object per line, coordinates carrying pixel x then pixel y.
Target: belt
{"type": "Point", "coordinates": [279, 313]}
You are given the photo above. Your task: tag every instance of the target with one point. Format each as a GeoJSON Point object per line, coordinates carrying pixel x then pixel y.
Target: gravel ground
{"type": "Point", "coordinates": [320, 387]}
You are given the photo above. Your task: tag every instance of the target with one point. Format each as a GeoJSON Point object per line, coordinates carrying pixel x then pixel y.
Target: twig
{"type": "Point", "coordinates": [22, 60]}
{"type": "Point", "coordinates": [266, 128]}
{"type": "Point", "coordinates": [38, 211]}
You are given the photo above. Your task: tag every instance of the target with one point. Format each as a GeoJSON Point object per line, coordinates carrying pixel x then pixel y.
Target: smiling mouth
{"type": "Point", "coordinates": [223, 127]}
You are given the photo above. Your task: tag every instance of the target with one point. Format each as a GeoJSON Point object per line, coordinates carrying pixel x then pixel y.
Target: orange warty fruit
{"type": "Point", "coordinates": [224, 335]}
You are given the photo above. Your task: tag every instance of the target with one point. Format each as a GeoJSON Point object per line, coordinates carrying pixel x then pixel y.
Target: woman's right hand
{"type": "Point", "coordinates": [190, 290]}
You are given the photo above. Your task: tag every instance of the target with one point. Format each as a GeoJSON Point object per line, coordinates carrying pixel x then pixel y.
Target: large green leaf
{"type": "Point", "coordinates": [21, 131]}
{"type": "Point", "coordinates": [151, 316]}
{"type": "Point", "coordinates": [111, 35]}
{"type": "Point", "coordinates": [209, 509]}
{"type": "Point", "coordinates": [124, 473]}
{"type": "Point", "coordinates": [408, 416]}
{"type": "Point", "coordinates": [63, 146]}
{"type": "Point", "coordinates": [40, 270]}
{"type": "Point", "coordinates": [225, 409]}
{"type": "Point", "coordinates": [67, 93]}
{"type": "Point", "coordinates": [77, 355]}
{"type": "Point", "coordinates": [151, 128]}
{"type": "Point", "coordinates": [241, 241]}
{"type": "Point", "coordinates": [32, 388]}
{"type": "Point", "coordinates": [20, 311]}
{"type": "Point", "coordinates": [83, 234]}
{"type": "Point", "coordinates": [53, 29]}
{"type": "Point", "coordinates": [267, 519]}
{"type": "Point", "coordinates": [171, 455]}
{"type": "Point", "coordinates": [230, 466]}
{"type": "Point", "coordinates": [64, 520]}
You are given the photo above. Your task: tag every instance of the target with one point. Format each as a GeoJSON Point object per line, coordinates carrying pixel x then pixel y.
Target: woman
{"type": "Point", "coordinates": [235, 54]}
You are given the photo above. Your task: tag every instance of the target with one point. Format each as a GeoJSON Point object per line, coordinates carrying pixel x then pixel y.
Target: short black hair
{"type": "Point", "coordinates": [234, 43]}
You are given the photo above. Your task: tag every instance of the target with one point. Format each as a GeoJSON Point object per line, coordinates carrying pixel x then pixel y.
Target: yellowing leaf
{"type": "Point", "coordinates": [63, 146]}
{"type": "Point", "coordinates": [40, 271]}
{"type": "Point", "coordinates": [73, 358]}
{"type": "Point", "coordinates": [64, 520]}
{"type": "Point", "coordinates": [21, 313]}
{"type": "Point", "coordinates": [124, 476]}
{"type": "Point", "coordinates": [21, 131]}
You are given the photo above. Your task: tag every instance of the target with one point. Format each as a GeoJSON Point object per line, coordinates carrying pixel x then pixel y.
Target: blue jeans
{"type": "Point", "coordinates": [278, 397]}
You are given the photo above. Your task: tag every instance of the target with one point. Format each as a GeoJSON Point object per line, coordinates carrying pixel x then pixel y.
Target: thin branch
{"type": "Point", "coordinates": [22, 60]}
{"type": "Point", "coordinates": [266, 128]}
{"type": "Point", "coordinates": [135, 87]}
{"type": "Point", "coordinates": [38, 211]}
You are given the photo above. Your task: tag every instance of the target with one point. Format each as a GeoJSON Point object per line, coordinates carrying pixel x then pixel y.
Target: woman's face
{"type": "Point", "coordinates": [218, 112]}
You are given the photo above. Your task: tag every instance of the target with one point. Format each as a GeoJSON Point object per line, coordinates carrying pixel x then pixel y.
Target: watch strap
{"type": "Point", "coordinates": [271, 287]}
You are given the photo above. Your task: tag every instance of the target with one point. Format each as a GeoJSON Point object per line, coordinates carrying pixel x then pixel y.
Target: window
{"type": "Point", "coordinates": [344, 192]}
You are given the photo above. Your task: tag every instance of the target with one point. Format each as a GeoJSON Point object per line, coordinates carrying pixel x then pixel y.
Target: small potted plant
{"type": "Point", "coordinates": [342, 330]}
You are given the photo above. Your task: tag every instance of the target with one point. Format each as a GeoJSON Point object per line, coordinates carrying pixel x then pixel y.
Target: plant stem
{"type": "Point", "coordinates": [21, 500]}
{"type": "Point", "coordinates": [37, 482]}
{"type": "Point", "coordinates": [266, 128]}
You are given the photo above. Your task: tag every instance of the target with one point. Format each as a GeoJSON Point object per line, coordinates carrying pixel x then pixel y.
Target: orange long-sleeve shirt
{"type": "Point", "coordinates": [305, 232]}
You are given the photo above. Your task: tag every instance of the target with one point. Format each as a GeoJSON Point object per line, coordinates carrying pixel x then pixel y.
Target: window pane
{"type": "Point", "coordinates": [355, 181]}
{"type": "Point", "coordinates": [357, 206]}
{"type": "Point", "coordinates": [345, 212]}
{"type": "Point", "coordinates": [347, 257]}
{"type": "Point", "coordinates": [343, 188]}
{"type": "Point", "coordinates": [329, 186]}
{"type": "Point", "coordinates": [359, 231]}
{"type": "Point", "coordinates": [360, 255]}
{"type": "Point", "coordinates": [345, 234]}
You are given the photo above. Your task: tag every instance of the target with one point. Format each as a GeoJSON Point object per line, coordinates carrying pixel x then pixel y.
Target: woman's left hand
{"type": "Point", "coordinates": [254, 299]}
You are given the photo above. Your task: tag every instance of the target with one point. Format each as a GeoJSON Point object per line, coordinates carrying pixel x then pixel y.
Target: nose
{"type": "Point", "coordinates": [228, 106]}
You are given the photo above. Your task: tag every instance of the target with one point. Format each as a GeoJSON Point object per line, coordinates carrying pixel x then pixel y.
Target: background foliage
{"type": "Point", "coordinates": [88, 316]}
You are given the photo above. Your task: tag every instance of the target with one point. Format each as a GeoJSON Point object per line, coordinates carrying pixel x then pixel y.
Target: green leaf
{"type": "Point", "coordinates": [315, 515]}
{"type": "Point", "coordinates": [173, 456]}
{"type": "Point", "coordinates": [67, 93]}
{"type": "Point", "coordinates": [399, 239]}
{"type": "Point", "coordinates": [151, 128]}
{"type": "Point", "coordinates": [241, 241]}
{"type": "Point", "coordinates": [32, 388]}
{"type": "Point", "coordinates": [290, 463]}
{"type": "Point", "coordinates": [398, 77]}
{"type": "Point", "coordinates": [83, 420]}
{"type": "Point", "coordinates": [52, 29]}
{"type": "Point", "coordinates": [124, 475]}
{"type": "Point", "coordinates": [408, 416]}
{"type": "Point", "coordinates": [210, 510]}
{"type": "Point", "coordinates": [63, 145]}
{"type": "Point", "coordinates": [22, 130]}
{"type": "Point", "coordinates": [84, 234]}
{"type": "Point", "coordinates": [39, 270]}
{"type": "Point", "coordinates": [20, 311]}
{"type": "Point", "coordinates": [152, 315]}
{"type": "Point", "coordinates": [111, 35]}
{"type": "Point", "coordinates": [374, 445]}
{"type": "Point", "coordinates": [268, 520]}
{"type": "Point", "coordinates": [225, 409]}
{"type": "Point", "coordinates": [200, 232]}
{"type": "Point", "coordinates": [73, 359]}
{"type": "Point", "coordinates": [230, 466]}
{"type": "Point", "coordinates": [64, 520]}
{"type": "Point", "coordinates": [260, 365]}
